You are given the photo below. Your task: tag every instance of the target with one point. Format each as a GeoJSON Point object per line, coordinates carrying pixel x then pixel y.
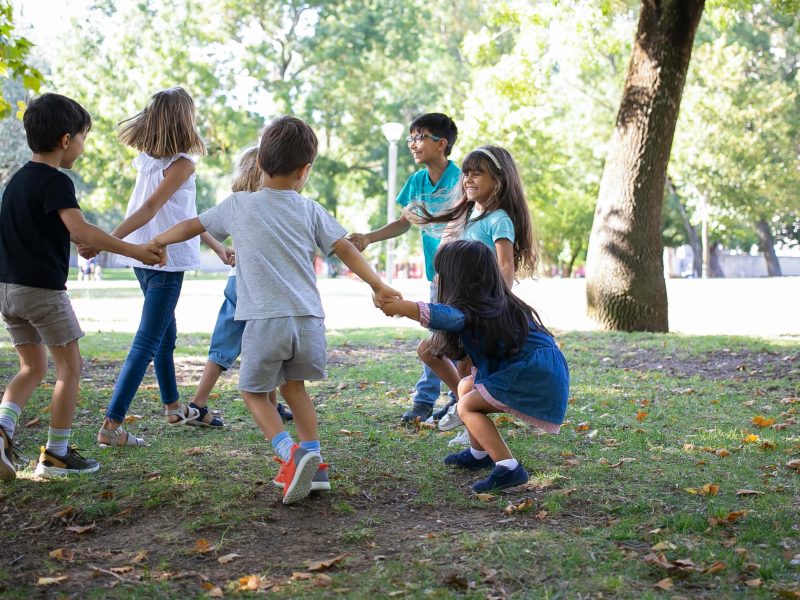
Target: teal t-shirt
{"type": "Point", "coordinates": [496, 225]}
{"type": "Point", "coordinates": [418, 188]}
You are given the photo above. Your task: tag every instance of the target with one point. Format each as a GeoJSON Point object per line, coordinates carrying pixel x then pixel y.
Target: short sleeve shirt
{"type": "Point", "coordinates": [496, 225]}
{"type": "Point", "coordinates": [435, 197]}
{"type": "Point", "coordinates": [34, 242]}
{"type": "Point", "coordinates": [277, 234]}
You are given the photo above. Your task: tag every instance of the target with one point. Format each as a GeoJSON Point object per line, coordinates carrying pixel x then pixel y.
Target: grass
{"type": "Point", "coordinates": [622, 499]}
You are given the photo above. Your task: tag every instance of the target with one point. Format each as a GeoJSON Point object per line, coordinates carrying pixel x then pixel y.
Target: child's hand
{"type": "Point", "coordinates": [359, 240]}
{"type": "Point", "coordinates": [230, 255]}
{"type": "Point", "coordinates": [151, 254]}
{"type": "Point", "coordinates": [86, 251]}
{"type": "Point", "coordinates": [384, 293]}
{"type": "Point", "coordinates": [393, 307]}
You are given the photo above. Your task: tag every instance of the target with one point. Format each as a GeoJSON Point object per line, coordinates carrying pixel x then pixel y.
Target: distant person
{"type": "Point", "coordinates": [431, 140]}
{"type": "Point", "coordinates": [518, 367]}
{"type": "Point", "coordinates": [39, 215]}
{"type": "Point", "coordinates": [226, 340]}
{"type": "Point", "coordinates": [164, 194]}
{"type": "Point", "coordinates": [277, 233]}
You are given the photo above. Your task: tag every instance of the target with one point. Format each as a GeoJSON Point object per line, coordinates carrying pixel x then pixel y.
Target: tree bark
{"type": "Point", "coordinates": [766, 243]}
{"type": "Point", "coordinates": [625, 272]}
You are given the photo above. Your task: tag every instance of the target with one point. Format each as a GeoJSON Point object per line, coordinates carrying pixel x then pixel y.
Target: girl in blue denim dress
{"type": "Point", "coordinates": [517, 366]}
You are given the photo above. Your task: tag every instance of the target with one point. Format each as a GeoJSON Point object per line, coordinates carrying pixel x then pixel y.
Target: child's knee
{"type": "Point", "coordinates": [465, 386]}
{"type": "Point", "coordinates": [423, 351]}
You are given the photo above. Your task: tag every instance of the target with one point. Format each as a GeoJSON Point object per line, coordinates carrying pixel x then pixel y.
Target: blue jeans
{"type": "Point", "coordinates": [154, 341]}
{"type": "Point", "coordinates": [226, 341]}
{"type": "Point", "coordinates": [429, 386]}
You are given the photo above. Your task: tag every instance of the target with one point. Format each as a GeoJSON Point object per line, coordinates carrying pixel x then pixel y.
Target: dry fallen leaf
{"type": "Point", "coordinates": [107, 494]}
{"type": "Point", "coordinates": [32, 422]}
{"type": "Point", "coordinates": [709, 489]}
{"type": "Point", "coordinates": [664, 584]}
{"type": "Point", "coordinates": [132, 418]}
{"type": "Point", "coordinates": [212, 590]}
{"type": "Point", "coordinates": [121, 570]}
{"type": "Point", "coordinates": [253, 583]}
{"type": "Point", "coordinates": [753, 583]}
{"type": "Point", "coordinates": [722, 453]}
{"type": "Point", "coordinates": [751, 438]}
{"type": "Point", "coordinates": [794, 464]}
{"type": "Point", "coordinates": [63, 554]}
{"type": "Point", "coordinates": [321, 565]}
{"type": "Point", "coordinates": [194, 451]}
{"type": "Point", "coordinates": [301, 576]}
{"type": "Point", "coordinates": [664, 545]}
{"type": "Point", "coordinates": [749, 493]}
{"type": "Point", "coordinates": [485, 497]}
{"type": "Point", "coordinates": [522, 506]}
{"type": "Point", "coordinates": [139, 558]}
{"type": "Point", "coordinates": [582, 427]}
{"type": "Point", "coordinates": [51, 580]}
{"type": "Point", "coordinates": [641, 415]}
{"type": "Point", "coordinates": [716, 568]}
{"type": "Point", "coordinates": [202, 546]}
{"type": "Point", "coordinates": [762, 421]}
{"type": "Point", "coordinates": [63, 513]}
{"type": "Point", "coordinates": [228, 558]}
{"type": "Point", "coordinates": [81, 529]}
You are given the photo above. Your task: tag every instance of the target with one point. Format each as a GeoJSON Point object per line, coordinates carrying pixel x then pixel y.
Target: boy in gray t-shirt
{"type": "Point", "coordinates": [277, 233]}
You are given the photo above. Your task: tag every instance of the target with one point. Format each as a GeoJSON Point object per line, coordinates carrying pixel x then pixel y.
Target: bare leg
{"type": "Point", "coordinates": [208, 380]}
{"type": "Point", "coordinates": [443, 368]}
{"type": "Point", "coordinates": [265, 414]}
{"type": "Point", "coordinates": [69, 364]}
{"type": "Point", "coordinates": [483, 434]}
{"type": "Point", "coordinates": [32, 369]}
{"type": "Point", "coordinates": [305, 416]}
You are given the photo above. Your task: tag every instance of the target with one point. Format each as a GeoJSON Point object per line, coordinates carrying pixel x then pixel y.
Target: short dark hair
{"type": "Point", "coordinates": [437, 124]}
{"type": "Point", "coordinates": [49, 117]}
{"type": "Point", "coordinates": [287, 144]}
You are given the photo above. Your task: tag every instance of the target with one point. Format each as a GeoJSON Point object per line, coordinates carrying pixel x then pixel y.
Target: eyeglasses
{"type": "Point", "coordinates": [422, 136]}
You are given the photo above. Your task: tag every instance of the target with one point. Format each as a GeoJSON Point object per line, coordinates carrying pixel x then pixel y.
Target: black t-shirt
{"type": "Point", "coordinates": [34, 242]}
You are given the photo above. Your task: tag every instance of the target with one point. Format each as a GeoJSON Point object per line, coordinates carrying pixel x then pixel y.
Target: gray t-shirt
{"type": "Point", "coordinates": [277, 233]}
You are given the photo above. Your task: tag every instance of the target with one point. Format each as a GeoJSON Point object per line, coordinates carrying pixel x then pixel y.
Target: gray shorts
{"type": "Point", "coordinates": [35, 315]}
{"type": "Point", "coordinates": [280, 349]}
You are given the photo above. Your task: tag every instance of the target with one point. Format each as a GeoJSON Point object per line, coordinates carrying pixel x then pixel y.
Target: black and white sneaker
{"type": "Point", "coordinates": [52, 465]}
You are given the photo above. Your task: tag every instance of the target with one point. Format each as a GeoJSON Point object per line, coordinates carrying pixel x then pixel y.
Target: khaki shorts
{"type": "Point", "coordinates": [35, 315]}
{"type": "Point", "coordinates": [274, 350]}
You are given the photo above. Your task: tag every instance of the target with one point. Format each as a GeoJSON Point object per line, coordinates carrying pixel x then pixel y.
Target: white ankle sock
{"type": "Point", "coordinates": [478, 454]}
{"type": "Point", "coordinates": [509, 463]}
{"type": "Point", "coordinates": [9, 415]}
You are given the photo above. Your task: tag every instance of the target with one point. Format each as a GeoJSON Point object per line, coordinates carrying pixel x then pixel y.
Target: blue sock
{"type": "Point", "coordinates": [58, 441]}
{"type": "Point", "coordinates": [283, 443]}
{"type": "Point", "coordinates": [312, 446]}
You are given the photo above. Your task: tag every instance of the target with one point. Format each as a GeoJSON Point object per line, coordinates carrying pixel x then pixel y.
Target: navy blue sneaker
{"type": "Point", "coordinates": [285, 413]}
{"type": "Point", "coordinates": [465, 460]}
{"type": "Point", "coordinates": [501, 478]}
{"type": "Point", "coordinates": [419, 410]}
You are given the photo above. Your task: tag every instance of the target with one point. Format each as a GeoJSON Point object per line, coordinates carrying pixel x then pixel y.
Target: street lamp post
{"type": "Point", "coordinates": [392, 132]}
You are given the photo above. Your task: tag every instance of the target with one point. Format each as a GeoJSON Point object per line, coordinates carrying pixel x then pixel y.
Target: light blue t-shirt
{"type": "Point", "coordinates": [496, 225]}
{"type": "Point", "coordinates": [418, 188]}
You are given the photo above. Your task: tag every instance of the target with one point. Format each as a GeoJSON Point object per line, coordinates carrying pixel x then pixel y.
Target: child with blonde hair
{"type": "Point", "coordinates": [166, 136]}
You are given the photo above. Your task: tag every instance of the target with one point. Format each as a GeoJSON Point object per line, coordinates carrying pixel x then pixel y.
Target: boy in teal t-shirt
{"type": "Point", "coordinates": [431, 140]}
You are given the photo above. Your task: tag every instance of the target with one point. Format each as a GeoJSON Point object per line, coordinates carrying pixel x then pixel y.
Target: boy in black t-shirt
{"type": "Point", "coordinates": [39, 216]}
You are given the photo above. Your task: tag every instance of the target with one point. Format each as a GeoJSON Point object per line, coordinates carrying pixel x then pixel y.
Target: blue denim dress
{"type": "Point", "coordinates": [533, 384]}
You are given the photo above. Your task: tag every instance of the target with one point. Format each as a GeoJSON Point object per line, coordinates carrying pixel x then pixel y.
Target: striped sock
{"type": "Point", "coordinates": [58, 441]}
{"type": "Point", "coordinates": [283, 444]}
{"type": "Point", "coordinates": [312, 446]}
{"type": "Point", "coordinates": [9, 415]}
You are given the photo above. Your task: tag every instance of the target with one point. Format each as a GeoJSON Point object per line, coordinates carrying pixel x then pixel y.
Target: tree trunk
{"type": "Point", "coordinates": [766, 243]}
{"type": "Point", "coordinates": [625, 271]}
{"type": "Point", "coordinates": [691, 232]}
{"type": "Point", "coordinates": [714, 265]}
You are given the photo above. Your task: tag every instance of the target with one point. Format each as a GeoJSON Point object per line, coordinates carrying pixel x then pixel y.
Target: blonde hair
{"type": "Point", "coordinates": [166, 127]}
{"type": "Point", "coordinates": [247, 177]}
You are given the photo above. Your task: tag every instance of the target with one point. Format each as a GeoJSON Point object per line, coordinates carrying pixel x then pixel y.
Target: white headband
{"type": "Point", "coordinates": [485, 151]}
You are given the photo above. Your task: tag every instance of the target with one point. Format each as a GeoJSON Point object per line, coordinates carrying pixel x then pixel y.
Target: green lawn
{"type": "Point", "coordinates": [672, 478]}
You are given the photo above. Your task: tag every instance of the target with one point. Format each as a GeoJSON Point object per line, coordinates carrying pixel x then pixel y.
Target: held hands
{"type": "Point", "coordinates": [359, 240]}
{"type": "Point", "coordinates": [394, 307]}
{"type": "Point", "coordinates": [151, 254]}
{"type": "Point", "coordinates": [227, 255]}
{"type": "Point", "coordinates": [86, 251]}
{"type": "Point", "coordinates": [383, 293]}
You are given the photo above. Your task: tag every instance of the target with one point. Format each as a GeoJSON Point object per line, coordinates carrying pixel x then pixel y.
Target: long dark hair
{"type": "Point", "coordinates": [509, 196]}
{"type": "Point", "coordinates": [470, 280]}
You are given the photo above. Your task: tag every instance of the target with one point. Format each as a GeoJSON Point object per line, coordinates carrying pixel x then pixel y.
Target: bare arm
{"type": "Point", "coordinates": [351, 257]}
{"type": "Point", "coordinates": [390, 230]}
{"type": "Point", "coordinates": [505, 258]}
{"type": "Point", "coordinates": [87, 235]}
{"type": "Point", "coordinates": [174, 176]}
{"type": "Point", "coordinates": [181, 232]}
{"type": "Point", "coordinates": [224, 252]}
{"type": "Point", "coordinates": [400, 308]}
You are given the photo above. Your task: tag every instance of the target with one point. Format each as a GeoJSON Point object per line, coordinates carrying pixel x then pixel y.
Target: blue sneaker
{"type": "Point", "coordinates": [501, 478]}
{"type": "Point", "coordinates": [285, 413]}
{"type": "Point", "coordinates": [465, 460]}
